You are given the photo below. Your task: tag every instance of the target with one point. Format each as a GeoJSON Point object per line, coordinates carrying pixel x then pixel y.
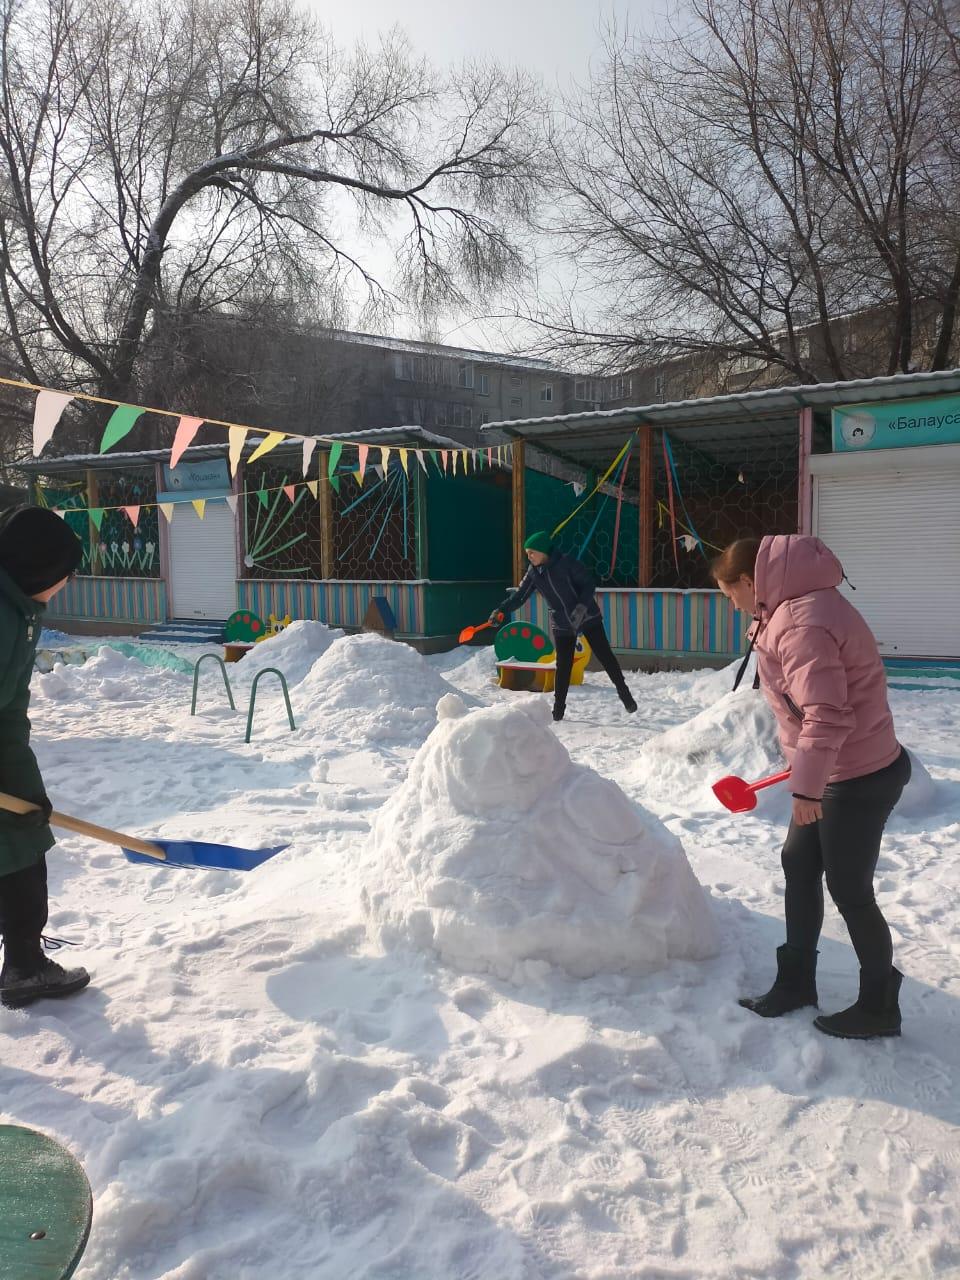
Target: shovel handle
{"type": "Point", "coordinates": [771, 781]}
{"type": "Point", "coordinates": [13, 804]}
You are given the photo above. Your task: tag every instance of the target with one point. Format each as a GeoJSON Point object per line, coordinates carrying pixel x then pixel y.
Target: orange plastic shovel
{"type": "Point", "coordinates": [739, 796]}
{"type": "Point", "coordinates": [467, 634]}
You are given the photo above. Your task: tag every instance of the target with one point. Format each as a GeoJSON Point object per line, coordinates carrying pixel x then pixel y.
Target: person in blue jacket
{"type": "Point", "coordinates": [568, 590]}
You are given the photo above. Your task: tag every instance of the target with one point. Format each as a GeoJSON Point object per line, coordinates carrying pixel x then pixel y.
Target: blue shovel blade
{"type": "Point", "coordinates": [197, 853]}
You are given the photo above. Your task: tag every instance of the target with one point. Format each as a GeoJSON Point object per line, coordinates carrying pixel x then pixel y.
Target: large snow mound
{"type": "Point", "coordinates": [292, 651]}
{"type": "Point", "coordinates": [502, 855]}
{"type": "Point", "coordinates": [737, 734]}
{"type": "Point", "coordinates": [366, 688]}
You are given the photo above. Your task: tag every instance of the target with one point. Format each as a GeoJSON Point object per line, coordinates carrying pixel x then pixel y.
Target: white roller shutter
{"type": "Point", "coordinates": [203, 562]}
{"type": "Point", "coordinates": [897, 534]}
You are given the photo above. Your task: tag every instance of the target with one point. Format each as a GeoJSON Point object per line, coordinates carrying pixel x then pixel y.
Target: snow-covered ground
{"type": "Point", "coordinates": [352, 1063]}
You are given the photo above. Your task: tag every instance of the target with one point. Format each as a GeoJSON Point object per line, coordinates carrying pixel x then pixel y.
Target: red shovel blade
{"type": "Point", "coordinates": [468, 633]}
{"type": "Point", "coordinates": [739, 796]}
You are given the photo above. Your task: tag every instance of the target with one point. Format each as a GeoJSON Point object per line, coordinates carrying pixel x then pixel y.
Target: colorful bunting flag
{"type": "Point", "coordinates": [443, 456]}
{"type": "Point", "coordinates": [490, 456]}
{"type": "Point", "coordinates": [46, 415]}
{"type": "Point", "coordinates": [187, 428]}
{"type": "Point", "coordinates": [308, 448]}
{"type": "Point", "coordinates": [385, 456]}
{"type": "Point", "coordinates": [314, 487]}
{"type": "Point", "coordinates": [264, 500]}
{"type": "Point", "coordinates": [96, 515]}
{"type": "Point", "coordinates": [270, 441]}
{"type": "Point", "coordinates": [362, 451]}
{"type": "Point", "coordinates": [122, 421]}
{"type": "Point", "coordinates": [290, 491]}
{"type": "Point", "coordinates": [403, 460]}
{"type": "Point", "coordinates": [199, 506]}
{"type": "Point", "coordinates": [422, 460]}
{"type": "Point", "coordinates": [167, 509]}
{"type": "Point", "coordinates": [133, 515]}
{"type": "Point", "coordinates": [231, 501]}
{"type": "Point", "coordinates": [336, 449]}
{"type": "Point", "coordinates": [237, 436]}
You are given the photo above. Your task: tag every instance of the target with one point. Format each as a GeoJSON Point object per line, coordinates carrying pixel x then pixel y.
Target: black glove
{"type": "Point", "coordinates": [35, 818]}
{"type": "Point", "coordinates": [577, 615]}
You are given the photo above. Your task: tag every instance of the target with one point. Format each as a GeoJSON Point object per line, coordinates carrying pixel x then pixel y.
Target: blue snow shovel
{"type": "Point", "coordinates": [175, 853]}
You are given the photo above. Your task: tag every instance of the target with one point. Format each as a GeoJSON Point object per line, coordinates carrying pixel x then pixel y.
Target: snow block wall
{"type": "Point", "coordinates": [501, 855]}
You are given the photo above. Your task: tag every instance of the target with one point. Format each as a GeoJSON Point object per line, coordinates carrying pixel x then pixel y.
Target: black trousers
{"type": "Point", "coordinates": [565, 646]}
{"type": "Point", "coordinates": [844, 846]}
{"type": "Point", "coordinates": [23, 915]}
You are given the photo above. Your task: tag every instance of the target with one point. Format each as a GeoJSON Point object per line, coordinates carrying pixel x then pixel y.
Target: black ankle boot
{"type": "Point", "coordinates": [19, 987]}
{"type": "Point", "coordinates": [626, 697]}
{"type": "Point", "coordinates": [558, 710]}
{"type": "Point", "coordinates": [795, 986]}
{"type": "Point", "coordinates": [876, 1013]}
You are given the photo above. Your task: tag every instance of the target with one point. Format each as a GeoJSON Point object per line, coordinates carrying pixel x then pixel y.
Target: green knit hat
{"type": "Point", "coordinates": [540, 541]}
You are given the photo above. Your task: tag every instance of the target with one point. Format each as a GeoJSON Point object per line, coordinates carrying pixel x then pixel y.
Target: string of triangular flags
{"type": "Point", "coordinates": [133, 510]}
{"type": "Point", "coordinates": [51, 405]}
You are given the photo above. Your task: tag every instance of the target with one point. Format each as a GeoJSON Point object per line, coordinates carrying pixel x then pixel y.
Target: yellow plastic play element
{"type": "Point", "coordinates": [274, 628]}
{"type": "Point", "coordinates": [540, 676]}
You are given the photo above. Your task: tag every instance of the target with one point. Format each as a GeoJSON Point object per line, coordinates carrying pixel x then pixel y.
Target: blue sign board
{"type": "Point", "coordinates": [893, 424]}
{"type": "Point", "coordinates": [208, 478]}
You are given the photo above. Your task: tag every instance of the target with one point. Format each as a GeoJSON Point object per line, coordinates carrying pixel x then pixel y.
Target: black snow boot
{"type": "Point", "coordinates": [795, 986]}
{"type": "Point", "coordinates": [626, 697]}
{"type": "Point", "coordinates": [876, 1013]}
{"type": "Point", "coordinates": [19, 987]}
{"type": "Point", "coordinates": [558, 709]}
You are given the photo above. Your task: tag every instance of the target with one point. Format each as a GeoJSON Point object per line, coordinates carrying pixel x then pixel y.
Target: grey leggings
{"type": "Point", "coordinates": [844, 845]}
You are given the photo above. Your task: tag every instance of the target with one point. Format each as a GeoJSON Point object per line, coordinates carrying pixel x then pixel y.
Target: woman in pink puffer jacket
{"type": "Point", "coordinates": [820, 670]}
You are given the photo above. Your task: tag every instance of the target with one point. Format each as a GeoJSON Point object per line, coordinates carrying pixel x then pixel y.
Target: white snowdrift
{"type": "Point", "coordinates": [369, 689]}
{"type": "Point", "coordinates": [500, 854]}
{"type": "Point", "coordinates": [738, 735]}
{"type": "Point", "coordinates": [293, 651]}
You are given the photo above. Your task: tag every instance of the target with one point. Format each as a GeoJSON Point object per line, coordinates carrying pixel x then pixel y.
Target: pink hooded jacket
{"type": "Point", "coordinates": [819, 667]}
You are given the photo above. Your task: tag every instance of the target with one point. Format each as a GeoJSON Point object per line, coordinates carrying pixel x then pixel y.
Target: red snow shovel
{"type": "Point", "coordinates": [739, 796]}
{"type": "Point", "coordinates": [178, 853]}
{"type": "Point", "coordinates": [467, 634]}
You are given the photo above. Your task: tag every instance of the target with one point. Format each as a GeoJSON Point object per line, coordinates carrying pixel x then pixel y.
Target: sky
{"type": "Point", "coordinates": [555, 39]}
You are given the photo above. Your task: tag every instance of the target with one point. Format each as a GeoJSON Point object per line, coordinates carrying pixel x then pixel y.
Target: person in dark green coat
{"type": "Point", "coordinates": [38, 554]}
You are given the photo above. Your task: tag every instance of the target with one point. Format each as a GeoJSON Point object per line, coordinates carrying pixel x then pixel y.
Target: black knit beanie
{"type": "Point", "coordinates": [37, 548]}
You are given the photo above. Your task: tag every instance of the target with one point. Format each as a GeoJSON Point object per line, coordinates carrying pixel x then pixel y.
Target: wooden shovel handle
{"type": "Point", "coordinates": [13, 804]}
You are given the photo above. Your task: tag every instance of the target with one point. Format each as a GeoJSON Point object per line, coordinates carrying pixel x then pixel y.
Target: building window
{"type": "Point", "coordinates": [659, 386]}
{"type": "Point", "coordinates": [484, 417]}
{"type": "Point", "coordinates": [619, 387]}
{"type": "Point", "coordinates": [465, 376]}
{"type": "Point", "coordinates": [546, 391]}
{"type": "Point", "coordinates": [516, 380]}
{"type": "Point", "coordinates": [403, 367]}
{"type": "Point", "coordinates": [587, 390]}
{"type": "Point", "coordinates": [747, 364]}
{"type": "Point", "coordinates": [483, 384]}
{"type": "Point", "coordinates": [516, 402]}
